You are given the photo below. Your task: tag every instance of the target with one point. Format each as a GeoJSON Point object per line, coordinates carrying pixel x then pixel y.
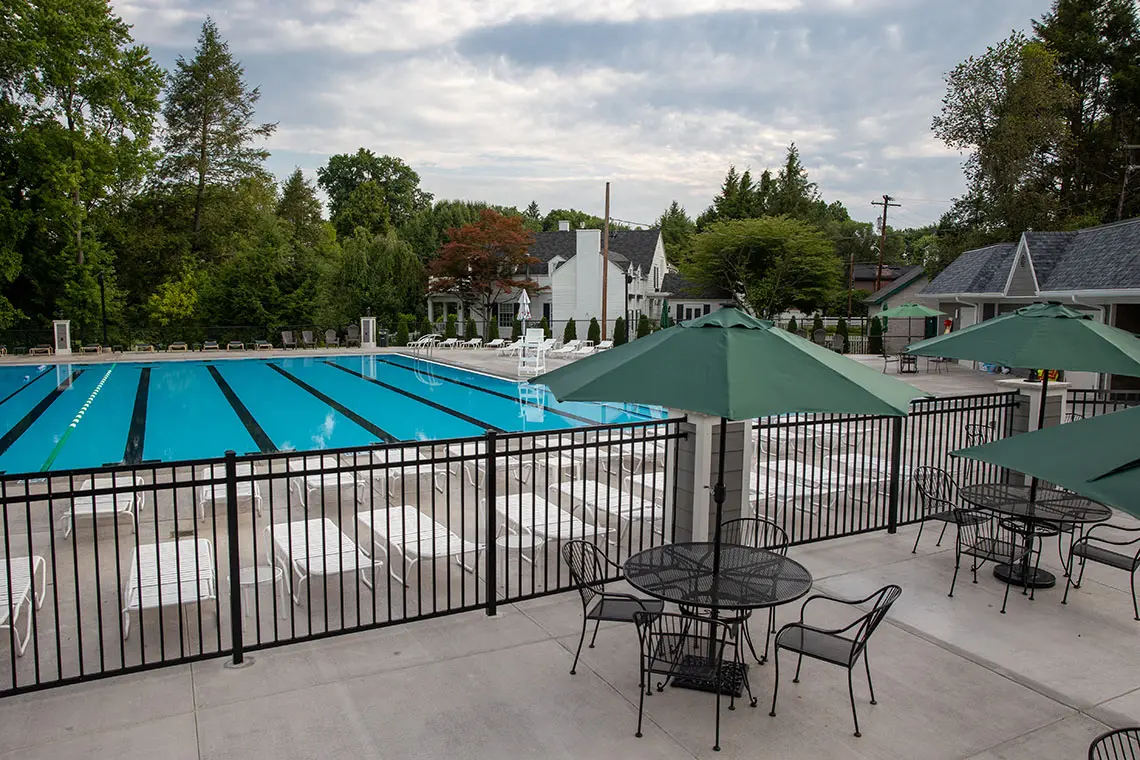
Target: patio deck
{"type": "Point", "coordinates": [954, 679]}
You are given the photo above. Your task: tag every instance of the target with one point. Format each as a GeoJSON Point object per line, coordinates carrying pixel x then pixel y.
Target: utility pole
{"type": "Point", "coordinates": [885, 203]}
{"type": "Point", "coordinates": [850, 281]}
{"type": "Point", "coordinates": [605, 259]}
{"type": "Point", "coordinates": [1128, 169]}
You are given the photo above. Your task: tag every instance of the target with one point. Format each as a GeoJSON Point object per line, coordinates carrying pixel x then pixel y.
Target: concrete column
{"type": "Point", "coordinates": [697, 466]}
{"type": "Point", "coordinates": [1056, 403]}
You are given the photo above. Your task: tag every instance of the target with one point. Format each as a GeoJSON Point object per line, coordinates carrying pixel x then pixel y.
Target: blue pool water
{"type": "Point", "coordinates": [66, 416]}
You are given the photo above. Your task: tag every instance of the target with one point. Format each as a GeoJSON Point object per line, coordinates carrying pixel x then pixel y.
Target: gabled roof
{"type": "Point", "coordinates": [868, 272]}
{"type": "Point", "coordinates": [626, 247]}
{"type": "Point", "coordinates": [905, 278]}
{"type": "Point", "coordinates": [636, 245]}
{"type": "Point", "coordinates": [676, 284]}
{"type": "Point", "coordinates": [1098, 258]}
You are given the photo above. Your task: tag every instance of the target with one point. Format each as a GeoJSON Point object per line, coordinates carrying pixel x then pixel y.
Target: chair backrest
{"type": "Point", "coordinates": [883, 599]}
{"type": "Point", "coordinates": [586, 568]}
{"type": "Point", "coordinates": [936, 488]}
{"type": "Point", "coordinates": [669, 640]}
{"type": "Point", "coordinates": [977, 434]}
{"type": "Point", "coordinates": [819, 336]}
{"type": "Point", "coordinates": [757, 532]}
{"type": "Point", "coordinates": [286, 336]}
{"type": "Point", "coordinates": [307, 336]}
{"type": "Point", "coordinates": [330, 335]}
{"type": "Point", "coordinates": [837, 342]}
{"type": "Point", "coordinates": [1121, 744]}
{"type": "Point", "coordinates": [801, 332]}
{"type": "Point", "coordinates": [353, 332]}
{"type": "Point", "coordinates": [974, 526]}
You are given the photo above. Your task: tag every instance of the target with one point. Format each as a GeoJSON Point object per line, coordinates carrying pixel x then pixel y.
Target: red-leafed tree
{"type": "Point", "coordinates": [484, 261]}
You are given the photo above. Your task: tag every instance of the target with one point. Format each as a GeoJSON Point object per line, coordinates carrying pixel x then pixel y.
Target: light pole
{"type": "Point", "coordinates": [103, 306]}
{"type": "Point", "coordinates": [628, 280]}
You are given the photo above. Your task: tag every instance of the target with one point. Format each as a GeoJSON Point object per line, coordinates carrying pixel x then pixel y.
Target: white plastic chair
{"type": "Point", "coordinates": [533, 515]}
{"type": "Point", "coordinates": [172, 573]}
{"type": "Point", "coordinates": [126, 502]}
{"type": "Point", "coordinates": [312, 476]}
{"type": "Point", "coordinates": [317, 547]}
{"type": "Point", "coordinates": [568, 348]}
{"type": "Point", "coordinates": [390, 465]}
{"type": "Point", "coordinates": [473, 343]}
{"type": "Point", "coordinates": [624, 504]}
{"type": "Point", "coordinates": [414, 536]}
{"type": "Point", "coordinates": [19, 573]}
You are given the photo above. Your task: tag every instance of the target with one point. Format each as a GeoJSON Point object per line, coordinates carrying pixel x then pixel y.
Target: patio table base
{"type": "Point", "coordinates": [1016, 576]}
{"type": "Point", "coordinates": [730, 681]}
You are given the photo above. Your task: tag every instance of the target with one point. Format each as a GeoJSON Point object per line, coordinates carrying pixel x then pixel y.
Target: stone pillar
{"type": "Point", "coordinates": [697, 467]}
{"type": "Point", "coordinates": [1056, 403]}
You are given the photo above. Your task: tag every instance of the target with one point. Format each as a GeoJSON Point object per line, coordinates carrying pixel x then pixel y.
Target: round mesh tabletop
{"type": "Point", "coordinates": [749, 578]}
{"type": "Point", "coordinates": [1051, 504]}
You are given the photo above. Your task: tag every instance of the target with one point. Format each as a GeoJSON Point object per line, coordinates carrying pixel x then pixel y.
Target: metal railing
{"type": "Point", "coordinates": [1089, 403]}
{"type": "Point", "coordinates": [120, 569]}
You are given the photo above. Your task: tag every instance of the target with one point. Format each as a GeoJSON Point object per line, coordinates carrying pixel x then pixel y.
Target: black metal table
{"type": "Point", "coordinates": [1050, 505]}
{"type": "Point", "coordinates": [749, 579]}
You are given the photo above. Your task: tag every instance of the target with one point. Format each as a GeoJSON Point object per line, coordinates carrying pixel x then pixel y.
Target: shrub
{"type": "Point", "coordinates": [817, 324]}
{"type": "Point", "coordinates": [493, 330]}
{"type": "Point", "coordinates": [402, 331]}
{"type": "Point", "coordinates": [792, 325]}
{"type": "Point", "coordinates": [875, 336]}
{"type": "Point", "coordinates": [841, 330]}
{"type": "Point", "coordinates": [425, 326]}
{"type": "Point", "coordinates": [620, 333]}
{"type": "Point", "coordinates": [516, 330]}
{"type": "Point", "coordinates": [571, 332]}
{"type": "Point", "coordinates": [594, 331]}
{"type": "Point", "coordinates": [545, 327]}
{"type": "Point", "coordinates": [643, 328]}
{"type": "Point", "coordinates": [470, 331]}
{"type": "Point", "coordinates": [452, 323]}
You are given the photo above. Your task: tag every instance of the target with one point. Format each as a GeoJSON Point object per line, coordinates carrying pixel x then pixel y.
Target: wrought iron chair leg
{"type": "Point", "coordinates": [921, 525]}
{"type": "Point", "coordinates": [1081, 574]}
{"type": "Point", "coordinates": [751, 646]}
{"type": "Point", "coordinates": [799, 664]}
{"type": "Point", "coordinates": [957, 564]}
{"type": "Point", "coordinates": [582, 638]}
{"type": "Point", "coordinates": [851, 692]}
{"type": "Point", "coordinates": [1068, 583]}
{"type": "Point", "coordinates": [716, 745]}
{"type": "Point", "coordinates": [1135, 609]}
{"type": "Point", "coordinates": [1036, 567]}
{"type": "Point", "coordinates": [870, 685]}
{"type": "Point", "coordinates": [641, 700]}
{"type": "Point", "coordinates": [1005, 599]}
{"type": "Point", "coordinates": [776, 685]}
{"type": "Point", "coordinates": [941, 533]}
{"type": "Point", "coordinates": [594, 638]}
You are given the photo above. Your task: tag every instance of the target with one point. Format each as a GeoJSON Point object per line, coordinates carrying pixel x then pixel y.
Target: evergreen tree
{"type": "Point", "coordinates": [300, 208]}
{"type": "Point", "coordinates": [677, 231]}
{"type": "Point", "coordinates": [493, 330]}
{"type": "Point", "coordinates": [643, 328]}
{"type": "Point", "coordinates": [817, 324]}
{"type": "Point", "coordinates": [402, 331]}
{"type": "Point", "coordinates": [594, 331]}
{"type": "Point", "coordinates": [532, 212]}
{"type": "Point", "coordinates": [792, 326]}
{"type": "Point", "coordinates": [545, 325]}
{"type": "Point", "coordinates": [449, 330]}
{"type": "Point", "coordinates": [425, 327]}
{"type": "Point", "coordinates": [875, 336]}
{"type": "Point", "coordinates": [621, 333]}
{"type": "Point", "coordinates": [842, 331]}
{"type": "Point", "coordinates": [570, 332]}
{"type": "Point", "coordinates": [516, 330]}
{"type": "Point", "coordinates": [469, 331]}
{"type": "Point", "coordinates": [209, 121]}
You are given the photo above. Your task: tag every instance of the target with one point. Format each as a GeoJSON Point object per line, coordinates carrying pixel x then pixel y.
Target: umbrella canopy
{"type": "Point", "coordinates": [1041, 336]}
{"type": "Point", "coordinates": [665, 320]}
{"type": "Point", "coordinates": [732, 365]}
{"type": "Point", "coordinates": [908, 310]}
{"type": "Point", "coordinates": [1097, 457]}
{"type": "Point", "coordinates": [524, 307]}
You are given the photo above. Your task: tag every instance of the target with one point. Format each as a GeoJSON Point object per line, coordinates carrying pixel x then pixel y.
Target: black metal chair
{"type": "Point", "coordinates": [976, 434]}
{"type": "Point", "coordinates": [1121, 744]}
{"type": "Point", "coordinates": [838, 646]}
{"type": "Point", "coordinates": [1099, 549]}
{"type": "Point", "coordinates": [983, 538]}
{"type": "Point", "coordinates": [937, 498]}
{"type": "Point", "coordinates": [587, 570]}
{"type": "Point", "coordinates": [690, 648]}
{"type": "Point", "coordinates": [760, 533]}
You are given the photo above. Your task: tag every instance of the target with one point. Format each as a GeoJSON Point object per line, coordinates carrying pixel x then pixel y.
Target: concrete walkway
{"type": "Point", "coordinates": [954, 679]}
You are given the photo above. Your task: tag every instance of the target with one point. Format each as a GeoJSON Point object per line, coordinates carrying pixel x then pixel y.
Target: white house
{"type": "Point", "coordinates": [569, 273]}
{"type": "Point", "coordinates": [689, 300]}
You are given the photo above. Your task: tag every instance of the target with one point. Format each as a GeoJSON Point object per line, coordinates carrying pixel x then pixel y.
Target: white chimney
{"type": "Point", "coordinates": [564, 226]}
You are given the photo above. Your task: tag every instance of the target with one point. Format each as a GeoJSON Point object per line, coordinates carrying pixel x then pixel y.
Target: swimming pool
{"type": "Point", "coordinates": [65, 416]}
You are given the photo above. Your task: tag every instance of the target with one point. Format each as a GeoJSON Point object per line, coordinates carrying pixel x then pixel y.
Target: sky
{"type": "Point", "coordinates": [510, 101]}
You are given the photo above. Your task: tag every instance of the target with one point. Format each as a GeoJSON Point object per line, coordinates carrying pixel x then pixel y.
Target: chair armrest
{"type": "Point", "coordinates": [1088, 536]}
{"type": "Point", "coordinates": [829, 631]}
{"type": "Point", "coordinates": [629, 597]}
{"type": "Point", "coordinates": [834, 599]}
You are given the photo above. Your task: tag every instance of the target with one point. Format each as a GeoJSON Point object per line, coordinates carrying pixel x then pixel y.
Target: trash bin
{"type": "Point", "coordinates": [382, 340]}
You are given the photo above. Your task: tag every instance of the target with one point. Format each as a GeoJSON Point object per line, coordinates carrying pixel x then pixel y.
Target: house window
{"type": "Point", "coordinates": [656, 284]}
{"type": "Point", "coordinates": [708, 308]}
{"type": "Point", "coordinates": [547, 313]}
{"type": "Point", "coordinates": [506, 314]}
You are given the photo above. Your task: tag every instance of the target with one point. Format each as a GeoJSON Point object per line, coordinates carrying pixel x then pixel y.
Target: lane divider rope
{"type": "Point", "coordinates": [77, 419]}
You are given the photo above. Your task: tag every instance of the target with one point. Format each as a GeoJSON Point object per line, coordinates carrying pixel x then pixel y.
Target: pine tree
{"type": "Point", "coordinates": [299, 206]}
{"type": "Point", "coordinates": [209, 121]}
{"type": "Point", "coordinates": [621, 332]}
{"type": "Point", "coordinates": [570, 332]}
{"type": "Point", "coordinates": [402, 331]}
{"type": "Point", "coordinates": [842, 331]}
{"type": "Point", "coordinates": [875, 336]}
{"type": "Point", "coordinates": [449, 329]}
{"type": "Point", "coordinates": [792, 326]}
{"type": "Point", "coordinates": [643, 328]}
{"type": "Point", "coordinates": [594, 331]}
{"type": "Point", "coordinates": [470, 331]}
{"type": "Point", "coordinates": [545, 325]}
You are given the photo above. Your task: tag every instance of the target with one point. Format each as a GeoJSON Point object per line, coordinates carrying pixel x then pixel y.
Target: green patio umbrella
{"type": "Point", "coordinates": [1097, 457]}
{"type": "Point", "coordinates": [909, 311]}
{"type": "Point", "coordinates": [665, 321]}
{"type": "Point", "coordinates": [730, 365]}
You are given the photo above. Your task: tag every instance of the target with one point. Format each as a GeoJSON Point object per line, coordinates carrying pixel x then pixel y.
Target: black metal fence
{"type": "Point", "coordinates": [1089, 403]}
{"type": "Point", "coordinates": [115, 570]}
{"type": "Point", "coordinates": [822, 476]}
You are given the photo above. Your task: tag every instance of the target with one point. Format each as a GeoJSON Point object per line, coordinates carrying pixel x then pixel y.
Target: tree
{"type": "Point", "coordinates": [875, 336]}
{"type": "Point", "coordinates": [677, 232]}
{"type": "Point", "coordinates": [594, 331]}
{"type": "Point", "coordinates": [516, 330]}
{"type": "Point", "coordinates": [397, 185]}
{"type": "Point", "coordinates": [425, 327]}
{"type": "Point", "coordinates": [209, 121]}
{"type": "Point", "coordinates": [300, 209]}
{"type": "Point", "coordinates": [379, 273]}
{"type": "Point", "coordinates": [427, 230]}
{"type": "Point", "coordinates": [792, 326]}
{"type": "Point", "coordinates": [794, 194]}
{"type": "Point", "coordinates": [364, 209]}
{"type": "Point", "coordinates": [545, 325]}
{"type": "Point", "coordinates": [449, 330]}
{"type": "Point", "coordinates": [643, 328]}
{"type": "Point", "coordinates": [469, 330]}
{"type": "Point", "coordinates": [621, 333]}
{"type": "Point", "coordinates": [842, 331]}
{"type": "Point", "coordinates": [817, 324]}
{"type": "Point", "coordinates": [485, 261]}
{"type": "Point", "coordinates": [532, 212]}
{"type": "Point", "coordinates": [776, 262]}
{"type": "Point", "coordinates": [577, 219]}
{"type": "Point", "coordinates": [402, 331]}
{"type": "Point", "coordinates": [570, 332]}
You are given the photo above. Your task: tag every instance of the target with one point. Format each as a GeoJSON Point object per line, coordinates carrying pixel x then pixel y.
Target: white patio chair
{"type": "Point", "coordinates": [872, 469]}
{"type": "Point", "coordinates": [496, 343]}
{"type": "Point", "coordinates": [511, 349]}
{"type": "Point", "coordinates": [472, 343]}
{"type": "Point", "coordinates": [212, 495]}
{"type": "Point", "coordinates": [604, 345]}
{"type": "Point", "coordinates": [584, 349]}
{"type": "Point", "coordinates": [316, 547]}
{"type": "Point", "coordinates": [169, 574]}
{"type": "Point", "coordinates": [567, 348]}
{"type": "Point", "coordinates": [126, 502]}
{"type": "Point", "coordinates": [390, 465]}
{"type": "Point", "coordinates": [19, 574]}
{"type": "Point", "coordinates": [448, 343]}
{"type": "Point", "coordinates": [414, 536]}
{"type": "Point", "coordinates": [533, 515]}
{"type": "Point", "coordinates": [805, 487]}
{"type": "Point", "coordinates": [625, 504]}
{"type": "Point", "coordinates": [475, 461]}
{"type": "Point", "coordinates": [312, 475]}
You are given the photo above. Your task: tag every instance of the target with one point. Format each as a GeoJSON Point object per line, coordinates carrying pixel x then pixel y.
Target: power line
{"type": "Point", "coordinates": [885, 203]}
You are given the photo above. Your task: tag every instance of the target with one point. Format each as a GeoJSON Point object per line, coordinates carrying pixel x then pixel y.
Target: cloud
{"type": "Point", "coordinates": [512, 100]}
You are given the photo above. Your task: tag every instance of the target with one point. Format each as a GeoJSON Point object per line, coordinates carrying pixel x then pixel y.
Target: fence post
{"type": "Point", "coordinates": [896, 468]}
{"type": "Point", "coordinates": [235, 559]}
{"type": "Point", "coordinates": [489, 480]}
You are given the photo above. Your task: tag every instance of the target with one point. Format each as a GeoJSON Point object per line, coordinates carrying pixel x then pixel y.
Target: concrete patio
{"type": "Point", "coordinates": [954, 679]}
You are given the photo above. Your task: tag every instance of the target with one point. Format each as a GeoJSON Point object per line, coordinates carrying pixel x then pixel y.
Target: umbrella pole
{"type": "Point", "coordinates": [1040, 424]}
{"type": "Point", "coordinates": [718, 499]}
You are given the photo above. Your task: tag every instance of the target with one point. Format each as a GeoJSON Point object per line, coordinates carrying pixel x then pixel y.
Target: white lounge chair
{"type": "Point", "coordinates": [496, 343]}
{"type": "Point", "coordinates": [604, 345]}
{"type": "Point", "coordinates": [317, 547]}
{"type": "Point", "coordinates": [19, 573]}
{"type": "Point", "coordinates": [624, 504]}
{"type": "Point", "coordinates": [390, 465]}
{"type": "Point", "coordinates": [472, 343]}
{"type": "Point", "coordinates": [510, 349]}
{"type": "Point", "coordinates": [212, 495]}
{"type": "Point", "coordinates": [803, 486]}
{"type": "Point", "coordinates": [424, 342]}
{"type": "Point", "coordinates": [128, 502]}
{"type": "Point", "coordinates": [870, 468]}
{"type": "Point", "coordinates": [517, 462]}
{"type": "Point", "coordinates": [533, 515]}
{"type": "Point", "coordinates": [313, 475]}
{"type": "Point", "coordinates": [567, 348]}
{"type": "Point", "coordinates": [449, 343]}
{"type": "Point", "coordinates": [414, 536]}
{"type": "Point", "coordinates": [172, 573]}
{"type": "Point", "coordinates": [585, 349]}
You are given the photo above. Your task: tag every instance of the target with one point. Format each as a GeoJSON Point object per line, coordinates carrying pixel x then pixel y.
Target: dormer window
{"type": "Point", "coordinates": [656, 283]}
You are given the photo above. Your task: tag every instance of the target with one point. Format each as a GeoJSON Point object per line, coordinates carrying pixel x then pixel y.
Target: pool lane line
{"type": "Point", "coordinates": [75, 421]}
{"type": "Point", "coordinates": [132, 452]}
{"type": "Point", "coordinates": [560, 413]}
{"type": "Point", "coordinates": [25, 385]}
{"type": "Point", "coordinates": [460, 415]}
{"type": "Point", "coordinates": [28, 419]}
{"type": "Point", "coordinates": [264, 444]}
{"type": "Point", "coordinates": [375, 430]}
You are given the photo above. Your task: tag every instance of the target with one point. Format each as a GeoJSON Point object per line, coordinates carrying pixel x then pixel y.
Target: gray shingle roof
{"type": "Point", "coordinates": [636, 245]}
{"type": "Point", "coordinates": [982, 270]}
{"type": "Point", "coordinates": [1046, 250]}
{"type": "Point", "coordinates": [906, 276]}
{"type": "Point", "coordinates": [626, 246]}
{"type": "Point", "coordinates": [676, 284]}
